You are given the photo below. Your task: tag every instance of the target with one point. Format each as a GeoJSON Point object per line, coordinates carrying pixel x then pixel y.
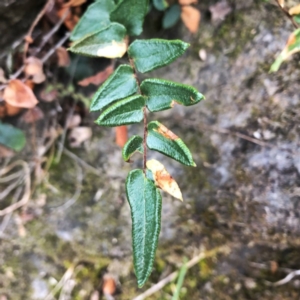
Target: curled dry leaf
{"type": "Point", "coordinates": [63, 57]}
{"type": "Point", "coordinates": [78, 135]}
{"type": "Point", "coordinates": [98, 78]}
{"type": "Point", "coordinates": [187, 2]}
{"type": "Point", "coordinates": [190, 16]}
{"type": "Point", "coordinates": [32, 115]}
{"type": "Point", "coordinates": [34, 69]}
{"type": "Point", "coordinates": [163, 179]}
{"type": "Point", "coordinates": [18, 94]}
{"type": "Point", "coordinates": [71, 20]}
{"type": "Point", "coordinates": [294, 10]}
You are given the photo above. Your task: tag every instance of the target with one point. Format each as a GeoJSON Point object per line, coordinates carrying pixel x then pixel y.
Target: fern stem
{"type": "Point", "coordinates": [145, 118]}
{"type": "Point", "coordinates": [144, 140]}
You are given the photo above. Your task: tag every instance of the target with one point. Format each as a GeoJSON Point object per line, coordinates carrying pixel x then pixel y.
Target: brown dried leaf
{"type": "Point", "coordinates": [164, 131]}
{"type": "Point", "coordinates": [220, 10]}
{"type": "Point", "coordinates": [2, 110]}
{"type": "Point", "coordinates": [74, 3]}
{"type": "Point", "coordinates": [163, 179]}
{"type": "Point", "coordinates": [294, 10]}
{"type": "Point", "coordinates": [18, 94]}
{"type": "Point", "coordinates": [63, 57]}
{"type": "Point", "coordinates": [34, 69]}
{"type": "Point", "coordinates": [190, 16]}
{"type": "Point", "coordinates": [187, 2]}
{"type": "Point", "coordinates": [71, 19]}
{"type": "Point", "coordinates": [98, 78]}
{"type": "Point", "coordinates": [12, 110]}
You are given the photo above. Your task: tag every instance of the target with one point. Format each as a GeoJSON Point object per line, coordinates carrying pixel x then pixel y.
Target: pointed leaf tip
{"type": "Point", "coordinates": [163, 94]}
{"type": "Point", "coordinates": [90, 21]}
{"type": "Point", "coordinates": [145, 204]}
{"type": "Point", "coordinates": [134, 144]}
{"type": "Point", "coordinates": [163, 179]}
{"type": "Point", "coordinates": [155, 53]}
{"type": "Point", "coordinates": [165, 141]}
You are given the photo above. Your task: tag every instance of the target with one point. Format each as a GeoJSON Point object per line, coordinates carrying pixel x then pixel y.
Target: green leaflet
{"type": "Point", "coordinates": [108, 42]}
{"type": "Point", "coordinates": [297, 18]}
{"type": "Point", "coordinates": [131, 14]}
{"type": "Point", "coordinates": [165, 141]}
{"type": "Point", "coordinates": [145, 203]}
{"type": "Point", "coordinates": [155, 53]}
{"type": "Point", "coordinates": [292, 46]}
{"type": "Point", "coordinates": [120, 84]}
{"type": "Point", "coordinates": [12, 137]}
{"type": "Point", "coordinates": [126, 111]}
{"type": "Point", "coordinates": [162, 94]}
{"type": "Point", "coordinates": [134, 144]}
{"type": "Point", "coordinates": [171, 16]}
{"type": "Point", "coordinates": [94, 19]}
{"type": "Point", "coordinates": [160, 4]}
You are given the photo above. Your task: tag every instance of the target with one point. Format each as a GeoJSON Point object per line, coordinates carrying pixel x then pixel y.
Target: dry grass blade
{"type": "Point", "coordinates": [26, 196]}
{"type": "Point", "coordinates": [189, 264]}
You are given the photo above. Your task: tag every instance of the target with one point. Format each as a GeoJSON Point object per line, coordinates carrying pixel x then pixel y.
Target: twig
{"type": "Point", "coordinates": [189, 264]}
{"type": "Point", "coordinates": [68, 274]}
{"type": "Point", "coordinates": [69, 116]}
{"type": "Point", "coordinates": [267, 267]}
{"type": "Point", "coordinates": [44, 59]}
{"type": "Point", "coordinates": [145, 118]}
{"type": "Point", "coordinates": [9, 188]}
{"type": "Point", "coordinates": [78, 190]}
{"type": "Point", "coordinates": [8, 216]}
{"type": "Point", "coordinates": [35, 22]}
{"type": "Point", "coordinates": [52, 50]}
{"type": "Point", "coordinates": [286, 12]}
{"type": "Point", "coordinates": [10, 177]}
{"type": "Point", "coordinates": [286, 279]}
{"type": "Point", "coordinates": [237, 134]}
{"type": "Point", "coordinates": [82, 162]}
{"type": "Point", "coordinates": [47, 37]}
{"type": "Point", "coordinates": [242, 136]}
{"type": "Point", "coordinates": [26, 195]}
